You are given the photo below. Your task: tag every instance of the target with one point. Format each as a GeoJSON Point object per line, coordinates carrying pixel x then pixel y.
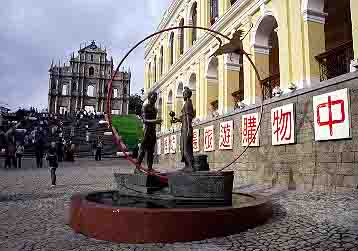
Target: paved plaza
{"type": "Point", "coordinates": [33, 215]}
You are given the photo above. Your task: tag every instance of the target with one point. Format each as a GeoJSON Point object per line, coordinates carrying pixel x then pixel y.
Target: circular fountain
{"type": "Point", "coordinates": [193, 206]}
{"type": "Point", "coordinates": [117, 217]}
{"type": "Point", "coordinates": [153, 207]}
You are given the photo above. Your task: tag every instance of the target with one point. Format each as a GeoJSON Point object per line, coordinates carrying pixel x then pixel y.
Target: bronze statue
{"type": "Point", "coordinates": [186, 138]}
{"type": "Point", "coordinates": [149, 116]}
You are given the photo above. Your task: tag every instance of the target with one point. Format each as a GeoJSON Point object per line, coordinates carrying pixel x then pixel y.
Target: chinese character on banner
{"type": "Point", "coordinates": [166, 145]}
{"type": "Point", "coordinates": [159, 147]}
{"type": "Point", "coordinates": [196, 147]}
{"type": "Point", "coordinates": [249, 126]}
{"type": "Point", "coordinates": [173, 143]}
{"type": "Point", "coordinates": [283, 125]}
{"type": "Point", "coordinates": [332, 115]}
{"type": "Point", "coordinates": [226, 137]}
{"type": "Point", "coordinates": [209, 143]}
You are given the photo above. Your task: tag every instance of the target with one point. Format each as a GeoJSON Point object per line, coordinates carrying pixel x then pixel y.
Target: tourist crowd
{"type": "Point", "coordinates": [36, 133]}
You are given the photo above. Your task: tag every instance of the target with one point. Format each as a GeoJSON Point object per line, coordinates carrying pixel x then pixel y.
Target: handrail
{"type": "Point", "coordinates": [269, 84]}
{"type": "Point", "coordinates": [336, 50]}
{"type": "Point", "coordinates": [271, 78]}
{"type": "Point", "coordinates": [336, 61]}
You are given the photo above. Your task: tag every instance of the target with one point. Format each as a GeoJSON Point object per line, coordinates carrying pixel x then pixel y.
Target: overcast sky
{"type": "Point", "coordinates": [33, 32]}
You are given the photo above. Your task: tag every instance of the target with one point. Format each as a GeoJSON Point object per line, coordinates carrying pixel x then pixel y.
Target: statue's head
{"type": "Point", "coordinates": [152, 97]}
{"type": "Point", "coordinates": [187, 93]}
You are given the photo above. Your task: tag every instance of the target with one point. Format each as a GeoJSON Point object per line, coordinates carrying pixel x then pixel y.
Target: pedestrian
{"type": "Point", "coordinates": [65, 152]}
{"type": "Point", "coordinates": [19, 153]}
{"type": "Point", "coordinates": [52, 159]}
{"type": "Point", "coordinates": [39, 152]}
{"type": "Point", "coordinates": [94, 146]}
{"type": "Point", "coordinates": [6, 152]}
{"type": "Point", "coordinates": [60, 150]}
{"type": "Point", "coordinates": [72, 152]}
{"type": "Point", "coordinates": [26, 139]}
{"type": "Point", "coordinates": [99, 150]}
{"type": "Point", "coordinates": [10, 156]}
{"type": "Point", "coordinates": [136, 151]}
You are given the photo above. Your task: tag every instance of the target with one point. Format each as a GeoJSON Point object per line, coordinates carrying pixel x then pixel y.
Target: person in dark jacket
{"type": "Point", "coordinates": [52, 159]}
{"type": "Point", "coordinates": [60, 150]}
{"type": "Point", "coordinates": [10, 155]}
{"type": "Point", "coordinates": [99, 150]}
{"type": "Point", "coordinates": [39, 152]}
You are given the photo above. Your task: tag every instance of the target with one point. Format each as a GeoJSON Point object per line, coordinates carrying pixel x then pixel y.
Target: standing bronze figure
{"type": "Point", "coordinates": [149, 116]}
{"type": "Point", "coordinates": [186, 138]}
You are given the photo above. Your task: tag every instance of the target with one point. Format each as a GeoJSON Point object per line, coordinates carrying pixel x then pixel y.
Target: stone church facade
{"type": "Point", "coordinates": [83, 84]}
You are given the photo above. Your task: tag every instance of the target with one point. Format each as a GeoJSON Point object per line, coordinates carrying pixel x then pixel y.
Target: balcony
{"type": "Point", "coordinates": [335, 62]}
{"type": "Point", "coordinates": [268, 84]}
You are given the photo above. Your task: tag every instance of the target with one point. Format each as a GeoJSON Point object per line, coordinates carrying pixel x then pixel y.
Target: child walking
{"type": "Point", "coordinates": [52, 162]}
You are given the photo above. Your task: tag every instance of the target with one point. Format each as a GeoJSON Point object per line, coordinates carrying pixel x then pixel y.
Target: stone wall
{"type": "Point", "coordinates": [324, 165]}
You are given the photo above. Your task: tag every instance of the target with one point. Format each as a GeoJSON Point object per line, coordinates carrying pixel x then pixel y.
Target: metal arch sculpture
{"type": "Point", "coordinates": [223, 49]}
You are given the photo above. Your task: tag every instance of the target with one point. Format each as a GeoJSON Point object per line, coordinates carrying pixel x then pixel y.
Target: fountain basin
{"type": "Point", "coordinates": [115, 217]}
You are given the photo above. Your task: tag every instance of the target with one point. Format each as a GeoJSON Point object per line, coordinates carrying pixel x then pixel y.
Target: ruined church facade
{"type": "Point", "coordinates": [84, 81]}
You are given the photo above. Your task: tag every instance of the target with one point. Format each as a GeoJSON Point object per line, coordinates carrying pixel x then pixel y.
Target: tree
{"type": "Point", "coordinates": [135, 104]}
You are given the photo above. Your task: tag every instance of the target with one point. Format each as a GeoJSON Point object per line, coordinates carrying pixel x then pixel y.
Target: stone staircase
{"type": "Point", "coordinates": [75, 131]}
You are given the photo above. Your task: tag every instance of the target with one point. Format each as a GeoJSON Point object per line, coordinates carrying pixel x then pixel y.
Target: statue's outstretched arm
{"type": "Point", "coordinates": [152, 121]}
{"type": "Point", "coordinates": [177, 120]}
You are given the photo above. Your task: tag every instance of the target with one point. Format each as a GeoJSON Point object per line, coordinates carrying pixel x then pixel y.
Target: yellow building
{"type": "Point", "coordinates": [292, 42]}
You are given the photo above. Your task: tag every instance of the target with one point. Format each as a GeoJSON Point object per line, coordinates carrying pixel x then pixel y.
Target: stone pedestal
{"type": "Point", "coordinates": [208, 185]}
{"type": "Point", "coordinates": [139, 182]}
{"type": "Point", "coordinates": [200, 163]}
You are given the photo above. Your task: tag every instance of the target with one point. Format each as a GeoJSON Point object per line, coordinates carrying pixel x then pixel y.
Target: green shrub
{"type": "Point", "coordinates": [130, 128]}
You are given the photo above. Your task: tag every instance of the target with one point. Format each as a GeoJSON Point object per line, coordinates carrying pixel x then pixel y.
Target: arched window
{"type": "Point", "coordinates": [74, 86]}
{"type": "Point", "coordinates": [91, 57]}
{"type": "Point", "coordinates": [192, 86]}
{"type": "Point", "coordinates": [124, 90]}
{"type": "Point", "coordinates": [336, 60]}
{"type": "Point", "coordinates": [90, 91]}
{"type": "Point", "coordinates": [91, 71]}
{"type": "Point", "coordinates": [171, 48]}
{"type": "Point", "coordinates": [150, 75]}
{"type": "Point", "coordinates": [212, 75]}
{"type": "Point", "coordinates": [115, 93]}
{"type": "Point", "coordinates": [266, 38]}
{"type": "Point", "coordinates": [160, 107]}
{"type": "Point", "coordinates": [170, 105]}
{"type": "Point", "coordinates": [181, 37]}
{"type": "Point", "coordinates": [155, 69]}
{"type": "Point", "coordinates": [161, 60]}
{"type": "Point", "coordinates": [179, 101]}
{"type": "Point", "coordinates": [214, 11]}
{"type": "Point", "coordinates": [194, 19]}
{"type": "Point", "coordinates": [64, 90]}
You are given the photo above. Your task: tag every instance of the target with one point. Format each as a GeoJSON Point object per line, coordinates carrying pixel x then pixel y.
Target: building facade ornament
{"type": "Point", "coordinates": [262, 49]}
{"type": "Point", "coordinates": [313, 11]}
{"type": "Point", "coordinates": [314, 16]}
{"type": "Point", "coordinates": [232, 62]}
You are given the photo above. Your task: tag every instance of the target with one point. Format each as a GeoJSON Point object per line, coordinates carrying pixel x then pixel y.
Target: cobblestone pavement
{"type": "Point", "coordinates": [33, 216]}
